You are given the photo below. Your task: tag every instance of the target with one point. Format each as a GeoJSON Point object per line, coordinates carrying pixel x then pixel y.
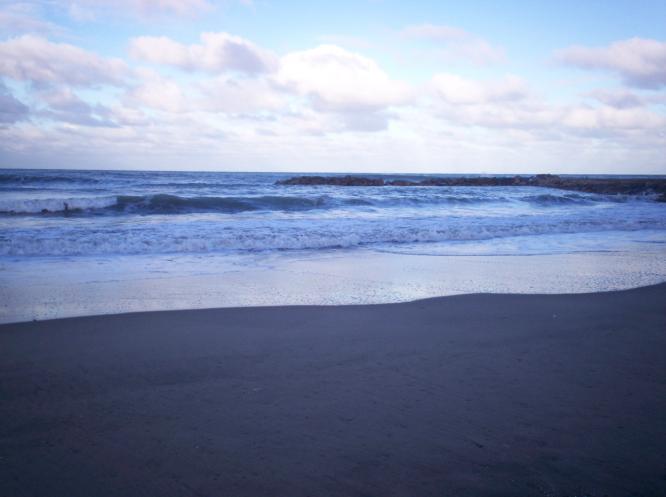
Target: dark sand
{"type": "Point", "coordinates": [459, 396]}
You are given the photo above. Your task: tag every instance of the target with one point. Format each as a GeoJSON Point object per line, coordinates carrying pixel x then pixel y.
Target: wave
{"type": "Point", "coordinates": [249, 236]}
{"type": "Point", "coordinates": [163, 203]}
{"type": "Point", "coordinates": [548, 199]}
{"type": "Point", "coordinates": [174, 204]}
{"type": "Point", "coordinates": [22, 179]}
{"type": "Point", "coordinates": [568, 198]}
{"type": "Point", "coordinates": [170, 204]}
{"type": "Point", "coordinates": [55, 205]}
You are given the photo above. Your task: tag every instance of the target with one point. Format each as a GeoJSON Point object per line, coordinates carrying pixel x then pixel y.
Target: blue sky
{"type": "Point", "coordinates": [570, 87]}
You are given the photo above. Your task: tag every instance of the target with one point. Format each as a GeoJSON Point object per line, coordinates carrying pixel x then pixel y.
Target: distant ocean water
{"type": "Point", "coordinates": [81, 213]}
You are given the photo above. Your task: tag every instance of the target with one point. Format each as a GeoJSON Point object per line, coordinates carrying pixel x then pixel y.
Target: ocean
{"type": "Point", "coordinates": [123, 213]}
{"type": "Point", "coordinates": [59, 223]}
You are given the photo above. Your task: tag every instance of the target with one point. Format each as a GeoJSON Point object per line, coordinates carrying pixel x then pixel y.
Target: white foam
{"type": "Point", "coordinates": [37, 205]}
{"type": "Point", "coordinates": [43, 288]}
{"type": "Point", "coordinates": [154, 235]}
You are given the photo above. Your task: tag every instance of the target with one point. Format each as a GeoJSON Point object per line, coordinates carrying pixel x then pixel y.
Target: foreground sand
{"type": "Point", "coordinates": [459, 396]}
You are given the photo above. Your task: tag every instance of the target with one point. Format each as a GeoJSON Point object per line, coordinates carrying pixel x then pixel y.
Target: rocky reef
{"type": "Point", "coordinates": [608, 186]}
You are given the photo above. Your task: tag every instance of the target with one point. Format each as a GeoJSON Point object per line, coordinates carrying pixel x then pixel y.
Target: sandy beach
{"type": "Point", "coordinates": [473, 395]}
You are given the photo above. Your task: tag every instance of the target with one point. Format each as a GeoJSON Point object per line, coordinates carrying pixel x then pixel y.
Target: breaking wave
{"type": "Point", "coordinates": [300, 234]}
{"type": "Point", "coordinates": [42, 177]}
{"type": "Point", "coordinates": [171, 204]}
{"type": "Point", "coordinates": [175, 204]}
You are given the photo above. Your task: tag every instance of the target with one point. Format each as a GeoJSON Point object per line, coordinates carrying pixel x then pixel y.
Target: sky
{"type": "Point", "coordinates": [345, 86]}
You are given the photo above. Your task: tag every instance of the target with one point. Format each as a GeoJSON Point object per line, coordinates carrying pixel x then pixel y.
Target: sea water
{"type": "Point", "coordinates": [81, 242]}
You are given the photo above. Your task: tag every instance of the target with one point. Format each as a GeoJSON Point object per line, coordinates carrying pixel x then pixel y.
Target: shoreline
{"type": "Point", "coordinates": [44, 288]}
{"type": "Point", "coordinates": [467, 395]}
{"type": "Point", "coordinates": [335, 305]}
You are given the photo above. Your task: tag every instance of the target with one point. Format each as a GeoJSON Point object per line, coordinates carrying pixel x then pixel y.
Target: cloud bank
{"type": "Point", "coordinates": [41, 62]}
{"type": "Point", "coordinates": [639, 62]}
{"type": "Point", "coordinates": [217, 53]}
{"type": "Point", "coordinates": [443, 99]}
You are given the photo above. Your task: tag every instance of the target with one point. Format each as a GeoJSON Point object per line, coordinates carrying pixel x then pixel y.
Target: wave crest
{"type": "Point", "coordinates": [163, 203]}
{"type": "Point", "coordinates": [171, 204]}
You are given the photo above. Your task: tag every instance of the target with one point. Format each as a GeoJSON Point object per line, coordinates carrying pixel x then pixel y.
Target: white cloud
{"type": "Point", "coordinates": [85, 9]}
{"type": "Point", "coordinates": [64, 100]}
{"type": "Point", "coordinates": [157, 92]}
{"type": "Point", "coordinates": [366, 122]}
{"type": "Point", "coordinates": [620, 99]}
{"type": "Point", "coordinates": [11, 109]}
{"type": "Point", "coordinates": [323, 90]}
{"type": "Point", "coordinates": [65, 106]}
{"type": "Point", "coordinates": [639, 62]}
{"type": "Point", "coordinates": [43, 63]}
{"type": "Point", "coordinates": [211, 95]}
{"type": "Point", "coordinates": [456, 43]}
{"type": "Point", "coordinates": [508, 104]}
{"type": "Point", "coordinates": [176, 6]}
{"type": "Point", "coordinates": [217, 53]}
{"type": "Point", "coordinates": [148, 10]}
{"type": "Point", "coordinates": [610, 119]}
{"type": "Point", "coordinates": [21, 18]}
{"type": "Point", "coordinates": [234, 95]}
{"type": "Point", "coordinates": [352, 42]}
{"type": "Point", "coordinates": [455, 89]}
{"type": "Point", "coordinates": [338, 80]}
{"type": "Point", "coordinates": [129, 117]}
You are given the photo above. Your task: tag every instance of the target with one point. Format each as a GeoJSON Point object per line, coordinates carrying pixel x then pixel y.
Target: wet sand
{"type": "Point", "coordinates": [473, 395]}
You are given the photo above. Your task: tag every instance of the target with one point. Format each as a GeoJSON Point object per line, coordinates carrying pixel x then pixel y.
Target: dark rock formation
{"type": "Point", "coordinates": [609, 186]}
{"type": "Point", "coordinates": [333, 180]}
